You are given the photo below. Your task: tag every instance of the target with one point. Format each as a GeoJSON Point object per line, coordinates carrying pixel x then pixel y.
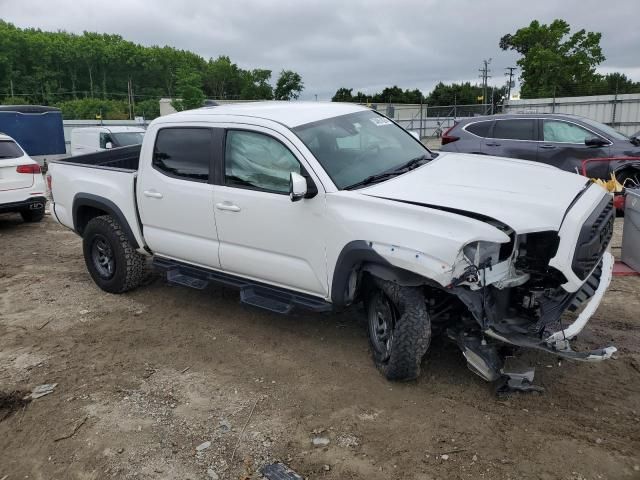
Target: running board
{"type": "Point", "coordinates": [274, 299]}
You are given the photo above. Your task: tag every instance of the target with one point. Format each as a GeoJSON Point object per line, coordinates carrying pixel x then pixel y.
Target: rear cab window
{"type": "Point", "coordinates": [10, 149]}
{"type": "Point", "coordinates": [184, 152]}
{"type": "Point", "coordinates": [515, 129]}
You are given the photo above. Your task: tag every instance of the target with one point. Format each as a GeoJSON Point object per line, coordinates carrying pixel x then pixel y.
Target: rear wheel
{"type": "Point", "coordinates": [111, 260]}
{"type": "Point", "coordinates": [32, 216]}
{"type": "Point", "coordinates": [399, 329]}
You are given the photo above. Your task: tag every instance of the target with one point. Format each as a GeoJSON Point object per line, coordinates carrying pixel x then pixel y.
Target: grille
{"type": "Point", "coordinates": [594, 238]}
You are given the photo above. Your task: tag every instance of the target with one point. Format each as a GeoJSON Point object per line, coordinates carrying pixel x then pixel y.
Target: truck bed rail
{"type": "Point", "coordinates": [123, 158]}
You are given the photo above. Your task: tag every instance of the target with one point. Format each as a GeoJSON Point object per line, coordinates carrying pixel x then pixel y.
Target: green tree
{"type": "Point", "coordinates": [554, 61]}
{"type": "Point", "coordinates": [343, 95]}
{"type": "Point", "coordinates": [255, 85]}
{"type": "Point", "coordinates": [289, 85]}
{"type": "Point", "coordinates": [188, 88]}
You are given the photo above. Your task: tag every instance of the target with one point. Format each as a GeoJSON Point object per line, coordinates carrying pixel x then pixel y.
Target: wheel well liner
{"type": "Point", "coordinates": [87, 206]}
{"type": "Point", "coordinates": [360, 254]}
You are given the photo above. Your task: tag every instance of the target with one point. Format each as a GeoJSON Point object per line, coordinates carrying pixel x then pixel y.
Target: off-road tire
{"type": "Point", "coordinates": [129, 266]}
{"type": "Point", "coordinates": [32, 216]}
{"type": "Point", "coordinates": [411, 334]}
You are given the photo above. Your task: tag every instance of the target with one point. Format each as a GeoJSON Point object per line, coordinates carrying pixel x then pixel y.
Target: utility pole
{"type": "Point", "coordinates": [510, 74]}
{"type": "Point", "coordinates": [11, 83]}
{"type": "Point", "coordinates": [484, 75]}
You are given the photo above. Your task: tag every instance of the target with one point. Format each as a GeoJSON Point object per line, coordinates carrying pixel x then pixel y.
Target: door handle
{"type": "Point", "coordinates": [152, 194]}
{"type": "Point", "coordinates": [547, 146]}
{"type": "Point", "coordinates": [493, 144]}
{"type": "Point", "coordinates": [227, 206]}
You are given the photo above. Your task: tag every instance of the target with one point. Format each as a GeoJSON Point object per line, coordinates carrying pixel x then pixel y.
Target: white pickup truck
{"type": "Point", "coordinates": [324, 205]}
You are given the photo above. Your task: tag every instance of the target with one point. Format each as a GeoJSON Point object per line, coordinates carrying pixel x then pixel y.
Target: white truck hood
{"type": "Point", "coordinates": [527, 196]}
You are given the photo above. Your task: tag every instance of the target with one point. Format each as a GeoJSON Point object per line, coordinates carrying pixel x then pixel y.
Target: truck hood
{"type": "Point", "coordinates": [527, 196]}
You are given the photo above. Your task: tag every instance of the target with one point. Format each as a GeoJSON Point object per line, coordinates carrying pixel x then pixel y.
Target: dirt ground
{"type": "Point", "coordinates": [146, 377]}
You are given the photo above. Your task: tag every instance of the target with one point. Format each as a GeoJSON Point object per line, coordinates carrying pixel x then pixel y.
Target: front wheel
{"type": "Point", "coordinates": [111, 260]}
{"type": "Point", "coordinates": [399, 329]}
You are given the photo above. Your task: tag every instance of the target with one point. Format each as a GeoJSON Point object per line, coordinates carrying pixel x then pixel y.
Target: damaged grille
{"type": "Point", "coordinates": [594, 238]}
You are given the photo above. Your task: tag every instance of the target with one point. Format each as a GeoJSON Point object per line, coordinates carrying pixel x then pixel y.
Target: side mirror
{"type": "Point", "coordinates": [297, 187]}
{"type": "Point", "coordinates": [108, 145]}
{"type": "Point", "coordinates": [594, 142]}
{"type": "Point", "coordinates": [415, 134]}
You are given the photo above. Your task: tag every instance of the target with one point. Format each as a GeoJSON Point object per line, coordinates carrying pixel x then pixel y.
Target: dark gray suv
{"type": "Point", "coordinates": [560, 140]}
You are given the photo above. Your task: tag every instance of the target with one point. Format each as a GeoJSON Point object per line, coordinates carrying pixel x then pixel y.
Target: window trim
{"type": "Point", "coordinates": [223, 177]}
{"type": "Point", "coordinates": [609, 142]}
{"type": "Point", "coordinates": [210, 176]}
{"type": "Point", "coordinates": [539, 130]}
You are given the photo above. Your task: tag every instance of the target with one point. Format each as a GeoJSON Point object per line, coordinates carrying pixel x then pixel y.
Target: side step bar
{"type": "Point", "coordinates": [274, 299]}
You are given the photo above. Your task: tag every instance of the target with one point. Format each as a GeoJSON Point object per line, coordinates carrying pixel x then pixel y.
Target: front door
{"type": "Point", "coordinates": [263, 234]}
{"type": "Point", "coordinates": [563, 145]}
{"type": "Point", "coordinates": [175, 195]}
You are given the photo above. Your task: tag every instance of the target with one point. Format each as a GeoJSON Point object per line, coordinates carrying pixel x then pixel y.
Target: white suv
{"type": "Point", "coordinates": [22, 188]}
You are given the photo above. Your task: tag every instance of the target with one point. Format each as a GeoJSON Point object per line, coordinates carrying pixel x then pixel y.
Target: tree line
{"type": "Point", "coordinates": [553, 63]}
{"type": "Point", "coordinates": [91, 73]}
{"type": "Point", "coordinates": [464, 93]}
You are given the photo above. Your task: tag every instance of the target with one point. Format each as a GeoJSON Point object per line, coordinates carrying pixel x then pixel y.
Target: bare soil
{"type": "Point", "coordinates": [146, 377]}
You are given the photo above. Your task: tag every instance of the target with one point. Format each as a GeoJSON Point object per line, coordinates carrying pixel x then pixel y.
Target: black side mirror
{"type": "Point", "coordinates": [594, 142]}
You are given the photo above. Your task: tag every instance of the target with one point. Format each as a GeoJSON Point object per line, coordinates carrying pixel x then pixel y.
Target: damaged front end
{"type": "Point", "coordinates": [516, 297]}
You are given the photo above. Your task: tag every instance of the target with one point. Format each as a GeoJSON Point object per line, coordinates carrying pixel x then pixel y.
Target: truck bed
{"type": "Point", "coordinates": [122, 158]}
{"type": "Point", "coordinates": [104, 180]}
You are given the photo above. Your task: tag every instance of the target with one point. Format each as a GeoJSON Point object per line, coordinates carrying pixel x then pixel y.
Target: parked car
{"type": "Point", "coordinates": [22, 188]}
{"type": "Point", "coordinates": [325, 205]}
{"type": "Point", "coordinates": [561, 140]}
{"type": "Point", "coordinates": [96, 139]}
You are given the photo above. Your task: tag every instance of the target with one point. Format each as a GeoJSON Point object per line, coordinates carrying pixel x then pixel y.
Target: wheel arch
{"type": "Point", "coordinates": [359, 257]}
{"type": "Point", "coordinates": [87, 206]}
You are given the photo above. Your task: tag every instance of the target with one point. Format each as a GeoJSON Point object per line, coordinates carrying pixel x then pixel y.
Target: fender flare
{"type": "Point", "coordinates": [360, 254]}
{"type": "Point", "coordinates": [106, 205]}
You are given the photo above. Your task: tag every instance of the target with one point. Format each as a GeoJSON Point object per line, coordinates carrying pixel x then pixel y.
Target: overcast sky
{"type": "Point", "coordinates": [362, 44]}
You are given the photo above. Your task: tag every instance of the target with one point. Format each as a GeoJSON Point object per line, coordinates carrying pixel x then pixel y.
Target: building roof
{"type": "Point", "coordinates": [291, 114]}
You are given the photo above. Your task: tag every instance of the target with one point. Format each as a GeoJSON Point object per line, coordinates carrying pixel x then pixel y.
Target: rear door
{"type": "Point", "coordinates": [563, 145]}
{"type": "Point", "coordinates": [12, 156]}
{"type": "Point", "coordinates": [175, 194]}
{"type": "Point", "coordinates": [513, 138]}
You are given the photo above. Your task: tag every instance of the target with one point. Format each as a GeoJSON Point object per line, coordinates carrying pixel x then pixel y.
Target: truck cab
{"type": "Point", "coordinates": [96, 139]}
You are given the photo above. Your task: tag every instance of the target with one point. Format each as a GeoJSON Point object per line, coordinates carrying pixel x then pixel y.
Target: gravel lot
{"type": "Point", "coordinates": [147, 377]}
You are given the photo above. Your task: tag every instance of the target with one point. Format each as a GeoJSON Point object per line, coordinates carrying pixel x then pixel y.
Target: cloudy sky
{"type": "Point", "coordinates": [364, 44]}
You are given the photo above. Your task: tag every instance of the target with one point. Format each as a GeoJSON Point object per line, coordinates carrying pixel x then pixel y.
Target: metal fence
{"type": "Point", "coordinates": [432, 121]}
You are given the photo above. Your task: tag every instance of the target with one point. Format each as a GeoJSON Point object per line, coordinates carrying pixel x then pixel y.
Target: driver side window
{"type": "Point", "coordinates": [257, 161]}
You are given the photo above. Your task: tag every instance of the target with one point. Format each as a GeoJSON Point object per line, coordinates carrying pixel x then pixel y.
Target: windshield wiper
{"type": "Point", "coordinates": [399, 170]}
{"type": "Point", "coordinates": [414, 163]}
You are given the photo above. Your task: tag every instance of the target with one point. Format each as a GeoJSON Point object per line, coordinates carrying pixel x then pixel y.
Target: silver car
{"type": "Point", "coordinates": [561, 140]}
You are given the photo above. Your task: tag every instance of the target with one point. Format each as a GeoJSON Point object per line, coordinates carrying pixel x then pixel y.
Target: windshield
{"type": "Point", "coordinates": [123, 139]}
{"type": "Point", "coordinates": [355, 146]}
{"type": "Point", "coordinates": [9, 149]}
{"type": "Point", "coordinates": [606, 129]}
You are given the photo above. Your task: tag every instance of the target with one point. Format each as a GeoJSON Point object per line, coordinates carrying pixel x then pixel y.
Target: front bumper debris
{"type": "Point", "coordinates": [558, 342]}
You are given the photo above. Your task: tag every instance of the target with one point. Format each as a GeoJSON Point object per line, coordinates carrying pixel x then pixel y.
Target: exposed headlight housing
{"type": "Point", "coordinates": [481, 253]}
